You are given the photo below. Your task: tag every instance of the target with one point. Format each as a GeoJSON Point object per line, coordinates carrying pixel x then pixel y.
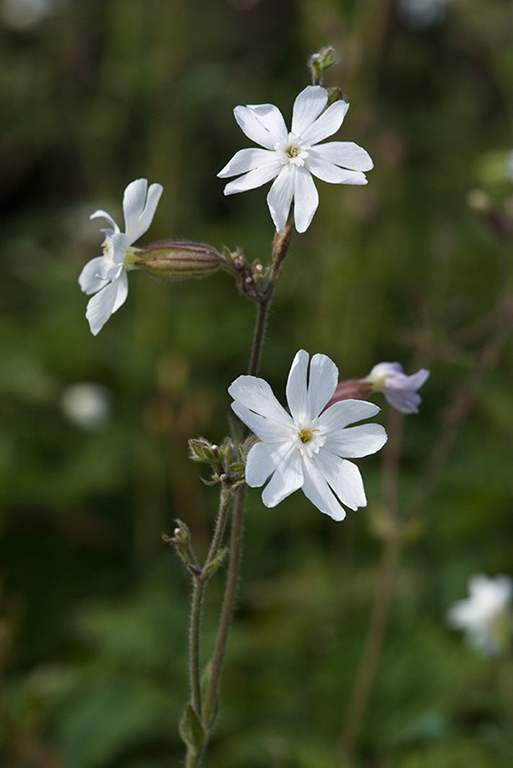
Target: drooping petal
{"type": "Point", "coordinates": [296, 389]}
{"type": "Point", "coordinates": [139, 206]}
{"type": "Point", "coordinates": [343, 477]}
{"type": "Point", "coordinates": [280, 196]}
{"type": "Point", "coordinates": [347, 154]}
{"type": "Point", "coordinates": [105, 215]}
{"type": "Point", "coordinates": [327, 171]}
{"type": "Point", "coordinates": [102, 306]}
{"type": "Point", "coordinates": [246, 160]}
{"type": "Point", "coordinates": [122, 290]}
{"type": "Point", "coordinates": [91, 278]}
{"type": "Point", "coordinates": [322, 383]}
{"type": "Point", "coordinates": [307, 108]}
{"type": "Point", "coordinates": [345, 412]}
{"type": "Point", "coordinates": [254, 178]}
{"type": "Point", "coordinates": [355, 442]}
{"type": "Point", "coordinates": [306, 198]}
{"type": "Point", "coordinates": [326, 124]}
{"type": "Point", "coordinates": [317, 490]}
{"type": "Point", "coordinates": [262, 123]}
{"type": "Point", "coordinates": [287, 478]}
{"type": "Point", "coordinates": [403, 401]}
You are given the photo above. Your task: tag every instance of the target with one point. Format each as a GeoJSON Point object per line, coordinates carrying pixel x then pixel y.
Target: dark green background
{"type": "Point", "coordinates": [94, 605]}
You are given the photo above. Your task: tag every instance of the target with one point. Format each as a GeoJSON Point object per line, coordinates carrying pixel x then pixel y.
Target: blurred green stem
{"type": "Point", "coordinates": [385, 587]}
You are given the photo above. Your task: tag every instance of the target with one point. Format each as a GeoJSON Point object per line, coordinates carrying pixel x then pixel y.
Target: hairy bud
{"type": "Point", "coordinates": [175, 259]}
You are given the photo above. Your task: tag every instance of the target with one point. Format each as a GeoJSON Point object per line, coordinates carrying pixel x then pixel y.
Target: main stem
{"type": "Point", "coordinates": [206, 710]}
{"type": "Point", "coordinates": [227, 609]}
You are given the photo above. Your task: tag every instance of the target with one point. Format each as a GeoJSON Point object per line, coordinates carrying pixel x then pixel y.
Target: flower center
{"type": "Point", "coordinates": [292, 151]}
{"type": "Point", "coordinates": [309, 440]}
{"type": "Point", "coordinates": [305, 434]}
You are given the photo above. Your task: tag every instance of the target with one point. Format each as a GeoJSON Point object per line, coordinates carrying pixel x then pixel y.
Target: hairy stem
{"type": "Point", "coordinates": [228, 606]}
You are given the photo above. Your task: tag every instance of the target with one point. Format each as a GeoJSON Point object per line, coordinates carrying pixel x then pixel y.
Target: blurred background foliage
{"type": "Point", "coordinates": [93, 431]}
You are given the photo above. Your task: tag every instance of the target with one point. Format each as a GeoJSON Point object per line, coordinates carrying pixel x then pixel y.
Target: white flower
{"type": "Point", "coordinates": [399, 389]}
{"type": "Point", "coordinates": [486, 616]}
{"type": "Point", "coordinates": [292, 158]}
{"type": "Point", "coordinates": [87, 404]}
{"type": "Point", "coordinates": [304, 449]}
{"type": "Point", "coordinates": [106, 275]}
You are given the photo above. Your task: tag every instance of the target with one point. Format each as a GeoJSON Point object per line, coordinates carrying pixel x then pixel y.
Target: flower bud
{"type": "Point", "coordinates": [175, 259]}
{"type": "Point", "coordinates": [321, 61]}
{"type": "Point", "coordinates": [355, 389]}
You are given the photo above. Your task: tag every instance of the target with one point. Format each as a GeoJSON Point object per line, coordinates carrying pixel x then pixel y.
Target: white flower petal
{"type": "Point", "coordinates": [139, 206]}
{"type": "Point", "coordinates": [122, 290]}
{"type": "Point", "coordinates": [254, 178]}
{"type": "Point", "coordinates": [261, 463]}
{"type": "Point", "coordinates": [296, 389]}
{"type": "Point", "coordinates": [91, 278]}
{"type": "Point", "coordinates": [306, 199]}
{"type": "Point", "coordinates": [345, 412]}
{"type": "Point", "coordinates": [355, 442]}
{"type": "Point", "coordinates": [280, 196]}
{"type": "Point", "coordinates": [327, 124]}
{"type": "Point", "coordinates": [118, 243]}
{"type": "Point", "coordinates": [322, 383]}
{"type": "Point", "coordinates": [317, 490]}
{"type": "Point", "coordinates": [105, 303]}
{"type": "Point", "coordinates": [247, 160]}
{"type": "Point", "coordinates": [327, 171]}
{"type": "Point", "coordinates": [347, 154]}
{"type": "Point", "coordinates": [287, 478]}
{"type": "Point", "coordinates": [105, 215]}
{"type": "Point", "coordinates": [266, 429]}
{"type": "Point", "coordinates": [344, 479]}
{"type": "Point", "coordinates": [262, 123]}
{"type": "Point", "coordinates": [307, 107]}
{"type": "Point", "coordinates": [256, 394]}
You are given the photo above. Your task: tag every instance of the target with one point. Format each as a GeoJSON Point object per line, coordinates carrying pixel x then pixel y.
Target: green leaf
{"type": "Point", "coordinates": [191, 730]}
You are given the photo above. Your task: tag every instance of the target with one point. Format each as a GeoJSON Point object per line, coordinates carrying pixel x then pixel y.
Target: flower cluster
{"type": "Point", "coordinates": [291, 158]}
{"type": "Point", "coordinates": [307, 448]}
{"type": "Point", "coordinates": [486, 616]}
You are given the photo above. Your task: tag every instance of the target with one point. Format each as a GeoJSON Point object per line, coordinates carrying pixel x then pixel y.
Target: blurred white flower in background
{"type": "Point", "coordinates": [486, 616]}
{"type": "Point", "coordinates": [421, 14]}
{"type": "Point", "coordinates": [24, 14]}
{"type": "Point", "coordinates": [87, 404]}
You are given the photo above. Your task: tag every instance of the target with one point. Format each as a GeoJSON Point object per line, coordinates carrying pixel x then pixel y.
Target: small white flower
{"type": "Point", "coordinates": [292, 158]}
{"type": "Point", "coordinates": [106, 275]}
{"type": "Point", "coordinates": [486, 616]}
{"type": "Point", "coordinates": [309, 447]}
{"type": "Point", "coordinates": [399, 389]}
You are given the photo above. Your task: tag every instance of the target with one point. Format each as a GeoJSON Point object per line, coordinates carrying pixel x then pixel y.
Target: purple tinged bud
{"type": "Point", "coordinates": [399, 389]}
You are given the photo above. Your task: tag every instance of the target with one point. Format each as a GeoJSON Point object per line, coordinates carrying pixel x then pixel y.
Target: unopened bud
{"type": "Point", "coordinates": [321, 61]}
{"type": "Point", "coordinates": [175, 259]}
